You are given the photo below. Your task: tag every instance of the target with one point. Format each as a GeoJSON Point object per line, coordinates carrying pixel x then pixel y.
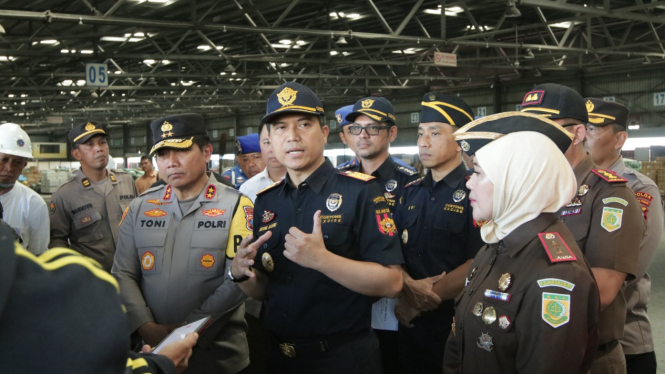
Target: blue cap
{"type": "Point", "coordinates": [248, 144]}
{"type": "Point", "coordinates": [341, 114]}
{"type": "Point", "coordinates": [376, 108]}
{"type": "Point", "coordinates": [292, 97]}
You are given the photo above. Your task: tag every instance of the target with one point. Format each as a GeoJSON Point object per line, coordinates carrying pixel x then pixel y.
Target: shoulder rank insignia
{"type": "Point", "coordinates": [167, 193]}
{"type": "Point", "coordinates": [357, 175]}
{"type": "Point", "coordinates": [557, 250]}
{"type": "Point", "coordinates": [270, 187]}
{"type": "Point", "coordinates": [211, 190]}
{"type": "Point", "coordinates": [608, 176]}
{"type": "Point", "coordinates": [113, 178]}
{"type": "Point", "coordinates": [85, 182]}
{"type": "Point", "coordinates": [407, 171]}
{"type": "Point", "coordinates": [414, 182]}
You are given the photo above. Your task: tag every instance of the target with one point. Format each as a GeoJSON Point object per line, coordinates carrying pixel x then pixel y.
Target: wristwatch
{"type": "Point", "coordinates": [229, 274]}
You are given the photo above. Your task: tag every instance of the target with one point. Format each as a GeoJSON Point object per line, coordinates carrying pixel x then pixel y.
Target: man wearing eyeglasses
{"type": "Point", "coordinates": [604, 217]}
{"type": "Point", "coordinates": [370, 128]}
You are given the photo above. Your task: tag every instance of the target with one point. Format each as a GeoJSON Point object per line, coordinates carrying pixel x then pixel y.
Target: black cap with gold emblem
{"type": "Point", "coordinates": [176, 131]}
{"type": "Point", "coordinates": [480, 132]}
{"type": "Point", "coordinates": [603, 113]}
{"type": "Point", "coordinates": [555, 101]}
{"type": "Point", "coordinates": [81, 133]}
{"type": "Point", "coordinates": [437, 107]}
{"type": "Point", "coordinates": [292, 97]}
{"type": "Point", "coordinates": [376, 108]}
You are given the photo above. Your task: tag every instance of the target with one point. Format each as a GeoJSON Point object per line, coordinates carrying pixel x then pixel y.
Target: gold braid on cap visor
{"type": "Point", "coordinates": [180, 143]}
{"type": "Point", "coordinates": [435, 105]}
{"type": "Point", "coordinates": [463, 133]}
{"type": "Point", "coordinates": [88, 133]}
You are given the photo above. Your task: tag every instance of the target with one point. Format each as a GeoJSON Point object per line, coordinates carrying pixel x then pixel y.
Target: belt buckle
{"type": "Point", "coordinates": [289, 350]}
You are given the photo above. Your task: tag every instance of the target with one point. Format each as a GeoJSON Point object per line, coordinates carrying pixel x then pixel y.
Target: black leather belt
{"type": "Point", "coordinates": [308, 347]}
{"type": "Point", "coordinates": [608, 346]}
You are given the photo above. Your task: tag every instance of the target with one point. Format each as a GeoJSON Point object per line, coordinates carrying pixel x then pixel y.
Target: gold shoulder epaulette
{"type": "Point", "coordinates": [270, 187]}
{"type": "Point", "coordinates": [357, 175]}
{"type": "Point", "coordinates": [608, 176]}
{"type": "Point", "coordinates": [414, 182]}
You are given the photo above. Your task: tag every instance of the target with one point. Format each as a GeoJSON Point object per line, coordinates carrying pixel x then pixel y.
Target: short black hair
{"type": "Point", "coordinates": [201, 141]}
{"type": "Point", "coordinates": [616, 128]}
{"type": "Point", "coordinates": [145, 157]}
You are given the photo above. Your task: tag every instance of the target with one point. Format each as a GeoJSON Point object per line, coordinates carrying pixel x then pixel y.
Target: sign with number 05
{"type": "Point", "coordinates": [96, 75]}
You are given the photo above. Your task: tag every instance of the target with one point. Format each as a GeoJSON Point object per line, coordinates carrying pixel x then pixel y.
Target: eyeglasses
{"type": "Point", "coordinates": [370, 130]}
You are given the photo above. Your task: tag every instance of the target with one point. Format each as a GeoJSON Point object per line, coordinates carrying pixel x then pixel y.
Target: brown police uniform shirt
{"type": "Point", "coordinates": [528, 307]}
{"type": "Point", "coordinates": [608, 225]}
{"type": "Point", "coordinates": [85, 216]}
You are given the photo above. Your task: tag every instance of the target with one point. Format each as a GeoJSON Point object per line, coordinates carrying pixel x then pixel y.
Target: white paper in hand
{"type": "Point", "coordinates": [181, 332]}
{"type": "Point", "coordinates": [383, 315]}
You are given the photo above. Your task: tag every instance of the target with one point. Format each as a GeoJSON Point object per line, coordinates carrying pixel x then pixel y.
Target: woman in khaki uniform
{"type": "Point", "coordinates": [530, 304]}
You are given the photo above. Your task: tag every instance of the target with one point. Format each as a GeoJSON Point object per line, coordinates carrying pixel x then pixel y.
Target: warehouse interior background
{"type": "Point", "coordinates": [124, 63]}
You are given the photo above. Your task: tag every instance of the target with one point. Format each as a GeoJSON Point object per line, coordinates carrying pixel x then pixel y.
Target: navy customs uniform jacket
{"type": "Point", "coordinates": [530, 305]}
{"type": "Point", "coordinates": [66, 309]}
{"type": "Point", "coordinates": [391, 178]}
{"type": "Point", "coordinates": [607, 223]}
{"type": "Point", "coordinates": [356, 222]}
{"type": "Point", "coordinates": [85, 216]}
{"type": "Point", "coordinates": [170, 266]}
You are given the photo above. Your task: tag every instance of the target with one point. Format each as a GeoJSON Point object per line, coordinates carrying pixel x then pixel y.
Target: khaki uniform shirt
{"type": "Point", "coordinates": [607, 224]}
{"type": "Point", "coordinates": [637, 335]}
{"type": "Point", "coordinates": [530, 306]}
{"type": "Point", "coordinates": [171, 267]}
{"type": "Point", "coordinates": [85, 216]}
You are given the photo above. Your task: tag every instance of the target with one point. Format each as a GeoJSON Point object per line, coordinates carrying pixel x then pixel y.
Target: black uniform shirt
{"type": "Point", "coordinates": [391, 178]}
{"type": "Point", "coordinates": [436, 225]}
{"type": "Point", "coordinates": [356, 223]}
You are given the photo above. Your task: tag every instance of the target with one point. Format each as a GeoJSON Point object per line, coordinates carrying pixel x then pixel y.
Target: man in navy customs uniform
{"type": "Point", "coordinates": [327, 245]}
{"type": "Point", "coordinates": [250, 162]}
{"type": "Point", "coordinates": [352, 140]}
{"type": "Point", "coordinates": [86, 210]}
{"type": "Point", "coordinates": [604, 217]}
{"type": "Point", "coordinates": [175, 244]}
{"type": "Point", "coordinates": [606, 135]}
{"type": "Point", "coordinates": [439, 236]}
{"type": "Point", "coordinates": [369, 128]}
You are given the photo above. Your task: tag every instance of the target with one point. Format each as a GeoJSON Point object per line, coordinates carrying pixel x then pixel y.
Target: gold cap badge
{"type": "Point", "coordinates": [89, 127]}
{"type": "Point", "coordinates": [589, 106]}
{"type": "Point", "coordinates": [367, 103]}
{"type": "Point", "coordinates": [287, 96]}
{"type": "Point", "coordinates": [432, 97]}
{"type": "Point", "coordinates": [166, 126]}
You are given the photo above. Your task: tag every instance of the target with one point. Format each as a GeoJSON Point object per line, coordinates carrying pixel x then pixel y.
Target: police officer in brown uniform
{"type": "Point", "coordinates": [530, 304]}
{"type": "Point", "coordinates": [604, 217]}
{"type": "Point", "coordinates": [606, 135]}
{"type": "Point", "coordinates": [86, 210]}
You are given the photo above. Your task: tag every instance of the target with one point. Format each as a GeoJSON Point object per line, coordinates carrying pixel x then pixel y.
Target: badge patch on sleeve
{"type": "Point", "coordinates": [213, 212]}
{"type": "Point", "coordinates": [386, 224]}
{"type": "Point", "coordinates": [124, 214]}
{"type": "Point", "coordinates": [51, 207]}
{"type": "Point", "coordinates": [644, 195]}
{"type": "Point", "coordinates": [611, 220]}
{"type": "Point", "coordinates": [554, 282]}
{"type": "Point", "coordinates": [617, 200]}
{"type": "Point", "coordinates": [155, 213]}
{"type": "Point", "coordinates": [148, 261]}
{"type": "Point", "coordinates": [556, 309]}
{"type": "Point", "coordinates": [249, 216]}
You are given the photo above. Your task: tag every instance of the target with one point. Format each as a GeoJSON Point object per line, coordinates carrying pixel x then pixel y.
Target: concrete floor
{"type": "Point", "coordinates": [656, 308]}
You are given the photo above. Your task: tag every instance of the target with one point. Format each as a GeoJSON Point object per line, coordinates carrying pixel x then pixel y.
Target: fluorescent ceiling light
{"type": "Point", "coordinates": [49, 41]}
{"type": "Point", "coordinates": [334, 53]}
{"type": "Point", "coordinates": [408, 51]}
{"type": "Point", "coordinates": [67, 82]}
{"type": "Point", "coordinates": [286, 41]}
{"type": "Point", "coordinates": [633, 127]}
{"type": "Point", "coordinates": [563, 25]}
{"type": "Point", "coordinates": [207, 47]}
{"type": "Point", "coordinates": [452, 11]}
{"type": "Point", "coordinates": [80, 82]}
{"type": "Point", "coordinates": [86, 51]}
{"type": "Point", "coordinates": [350, 16]}
{"type": "Point", "coordinates": [482, 27]}
{"type": "Point", "coordinates": [10, 95]}
{"type": "Point", "coordinates": [121, 39]}
{"type": "Point", "coordinates": [64, 51]}
{"type": "Point", "coordinates": [284, 46]}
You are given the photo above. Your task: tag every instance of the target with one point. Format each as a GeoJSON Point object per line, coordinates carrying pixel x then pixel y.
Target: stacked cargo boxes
{"type": "Point", "coordinates": [52, 179]}
{"type": "Point", "coordinates": [33, 174]}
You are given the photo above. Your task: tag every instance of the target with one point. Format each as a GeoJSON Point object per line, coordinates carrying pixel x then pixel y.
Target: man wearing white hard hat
{"type": "Point", "coordinates": [24, 210]}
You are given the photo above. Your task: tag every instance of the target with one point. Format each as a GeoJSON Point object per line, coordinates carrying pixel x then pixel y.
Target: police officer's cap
{"type": "Point", "coordinates": [341, 113]}
{"type": "Point", "coordinates": [376, 108]}
{"type": "Point", "coordinates": [480, 132]}
{"type": "Point", "coordinates": [292, 97]}
{"type": "Point", "coordinates": [81, 133]}
{"type": "Point", "coordinates": [176, 131]}
{"type": "Point", "coordinates": [437, 107]}
{"type": "Point", "coordinates": [248, 144]}
{"type": "Point", "coordinates": [603, 113]}
{"type": "Point", "coordinates": [555, 101]}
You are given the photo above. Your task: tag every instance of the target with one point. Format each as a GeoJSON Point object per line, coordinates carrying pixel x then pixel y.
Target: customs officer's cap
{"type": "Point", "coordinates": [480, 132]}
{"type": "Point", "coordinates": [176, 131]}
{"type": "Point", "coordinates": [603, 113]}
{"type": "Point", "coordinates": [438, 107]}
{"type": "Point", "coordinates": [248, 144]}
{"type": "Point", "coordinates": [555, 101]}
{"type": "Point", "coordinates": [292, 97]}
{"type": "Point", "coordinates": [377, 108]}
{"type": "Point", "coordinates": [341, 113]}
{"type": "Point", "coordinates": [81, 133]}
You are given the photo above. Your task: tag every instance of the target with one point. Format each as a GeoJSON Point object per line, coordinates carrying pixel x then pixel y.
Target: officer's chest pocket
{"type": "Point", "coordinates": [87, 224]}
{"type": "Point", "coordinates": [335, 237]}
{"type": "Point", "coordinates": [450, 221]}
{"type": "Point", "coordinates": [208, 247]}
{"type": "Point", "coordinates": [150, 243]}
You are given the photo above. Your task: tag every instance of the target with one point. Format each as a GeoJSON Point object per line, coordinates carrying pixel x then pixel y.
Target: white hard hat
{"type": "Point", "coordinates": [14, 141]}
